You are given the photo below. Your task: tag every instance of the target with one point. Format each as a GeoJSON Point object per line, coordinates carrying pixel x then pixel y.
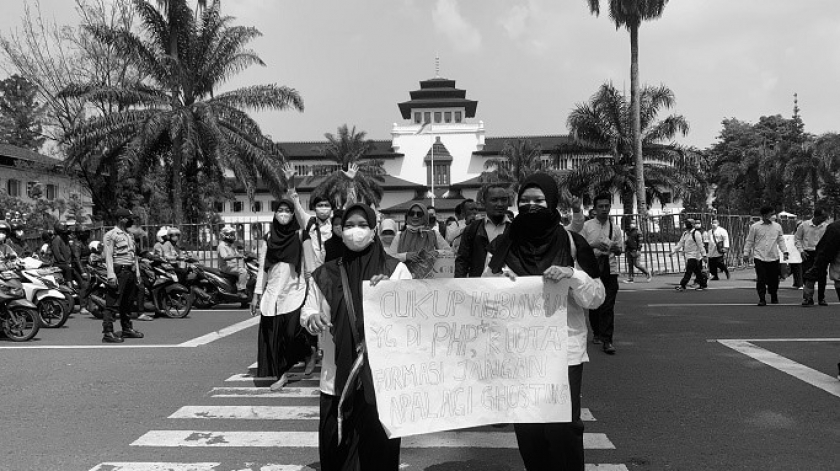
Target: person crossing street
{"type": "Point", "coordinates": [808, 235]}
{"type": "Point", "coordinates": [691, 244]}
{"type": "Point", "coordinates": [764, 242]}
{"type": "Point", "coordinates": [718, 247]}
{"type": "Point", "coordinates": [123, 276]}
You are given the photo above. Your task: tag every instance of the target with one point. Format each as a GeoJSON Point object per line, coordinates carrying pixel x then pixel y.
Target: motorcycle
{"type": "Point", "coordinates": [213, 286]}
{"type": "Point", "coordinates": [41, 289]}
{"type": "Point", "coordinates": [55, 275]}
{"type": "Point", "coordinates": [169, 297]}
{"type": "Point", "coordinates": [18, 317]}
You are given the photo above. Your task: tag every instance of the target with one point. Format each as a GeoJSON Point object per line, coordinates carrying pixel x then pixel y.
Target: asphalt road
{"type": "Point", "coordinates": [681, 394]}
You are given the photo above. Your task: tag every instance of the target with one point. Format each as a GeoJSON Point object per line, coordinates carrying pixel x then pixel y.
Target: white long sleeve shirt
{"type": "Point", "coordinates": [765, 241]}
{"type": "Point", "coordinates": [808, 235]}
{"type": "Point", "coordinates": [316, 303]}
{"type": "Point", "coordinates": [718, 235]}
{"type": "Point", "coordinates": [595, 232]}
{"type": "Point", "coordinates": [691, 243]}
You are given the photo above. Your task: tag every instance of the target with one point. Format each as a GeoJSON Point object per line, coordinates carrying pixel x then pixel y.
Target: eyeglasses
{"type": "Point", "coordinates": [418, 214]}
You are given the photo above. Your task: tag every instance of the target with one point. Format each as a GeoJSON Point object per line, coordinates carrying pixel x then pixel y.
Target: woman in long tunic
{"type": "Point", "coordinates": [350, 434]}
{"type": "Point", "coordinates": [278, 297]}
{"type": "Point", "coordinates": [538, 245]}
{"type": "Point", "coordinates": [418, 246]}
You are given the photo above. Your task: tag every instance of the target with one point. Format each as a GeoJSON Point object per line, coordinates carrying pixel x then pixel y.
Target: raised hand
{"type": "Point", "coordinates": [352, 170]}
{"type": "Point", "coordinates": [289, 171]}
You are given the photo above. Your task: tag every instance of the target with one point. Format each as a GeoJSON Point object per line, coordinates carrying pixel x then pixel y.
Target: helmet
{"type": "Point", "coordinates": [95, 247]}
{"type": "Point", "coordinates": [228, 234]}
{"type": "Point", "coordinates": [61, 228]}
{"type": "Point", "coordinates": [173, 231]}
{"type": "Point", "coordinates": [82, 231]}
{"type": "Point", "coordinates": [47, 235]}
{"type": "Point", "coordinates": [162, 234]}
{"type": "Point", "coordinates": [16, 226]}
{"type": "Point", "coordinates": [5, 227]}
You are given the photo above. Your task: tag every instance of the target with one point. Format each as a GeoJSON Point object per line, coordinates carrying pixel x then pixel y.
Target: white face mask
{"type": "Point", "coordinates": [357, 238]}
{"type": "Point", "coordinates": [323, 213]}
{"type": "Point", "coordinates": [283, 218]}
{"type": "Point", "coordinates": [2, 237]}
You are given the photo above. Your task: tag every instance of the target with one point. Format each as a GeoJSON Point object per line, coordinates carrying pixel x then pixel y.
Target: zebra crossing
{"type": "Point", "coordinates": [240, 403]}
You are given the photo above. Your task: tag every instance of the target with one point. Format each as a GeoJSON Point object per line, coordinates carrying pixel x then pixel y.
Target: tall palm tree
{"type": "Point", "coordinates": [174, 11]}
{"type": "Point", "coordinates": [344, 150]}
{"type": "Point", "coordinates": [630, 14]}
{"type": "Point", "coordinates": [175, 116]}
{"type": "Point", "coordinates": [604, 123]}
{"type": "Point", "coordinates": [815, 163]}
{"type": "Point", "coordinates": [518, 160]}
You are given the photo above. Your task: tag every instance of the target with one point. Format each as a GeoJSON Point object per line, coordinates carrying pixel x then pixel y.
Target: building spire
{"type": "Point", "coordinates": [437, 65]}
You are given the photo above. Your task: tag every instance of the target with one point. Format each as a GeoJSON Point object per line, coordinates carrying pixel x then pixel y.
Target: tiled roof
{"type": "Point", "coordinates": [310, 150]}
{"type": "Point", "coordinates": [389, 183]}
{"type": "Point", "coordinates": [494, 145]}
{"type": "Point", "coordinates": [19, 153]}
{"type": "Point", "coordinates": [441, 153]}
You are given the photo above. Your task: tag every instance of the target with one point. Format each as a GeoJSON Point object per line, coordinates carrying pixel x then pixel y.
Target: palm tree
{"type": "Point", "coordinates": [604, 123]}
{"type": "Point", "coordinates": [518, 160]}
{"type": "Point", "coordinates": [175, 10]}
{"type": "Point", "coordinates": [346, 150]}
{"type": "Point", "coordinates": [175, 116]}
{"type": "Point", "coordinates": [631, 14]}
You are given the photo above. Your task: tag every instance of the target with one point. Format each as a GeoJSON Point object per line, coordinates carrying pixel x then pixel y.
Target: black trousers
{"type": "Point", "coordinates": [693, 267]}
{"type": "Point", "coordinates": [796, 271]}
{"type": "Point", "coordinates": [555, 446]}
{"type": "Point", "coordinates": [602, 319]}
{"type": "Point", "coordinates": [717, 263]}
{"type": "Point", "coordinates": [821, 281]}
{"type": "Point", "coordinates": [120, 299]}
{"type": "Point", "coordinates": [633, 262]}
{"type": "Point", "coordinates": [767, 277]}
{"type": "Point", "coordinates": [365, 446]}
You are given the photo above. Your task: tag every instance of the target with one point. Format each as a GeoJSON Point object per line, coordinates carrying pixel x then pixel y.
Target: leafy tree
{"type": "Point", "coordinates": [604, 124]}
{"type": "Point", "coordinates": [518, 160]}
{"type": "Point", "coordinates": [630, 14]}
{"type": "Point", "coordinates": [346, 150]}
{"type": "Point", "coordinates": [175, 116]}
{"type": "Point", "coordinates": [20, 113]}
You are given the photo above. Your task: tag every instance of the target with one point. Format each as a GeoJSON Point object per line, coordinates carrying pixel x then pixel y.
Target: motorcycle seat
{"type": "Point", "coordinates": [224, 274]}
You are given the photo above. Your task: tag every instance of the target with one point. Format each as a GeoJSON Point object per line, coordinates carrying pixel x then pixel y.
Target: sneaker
{"type": "Point", "coordinates": [608, 348]}
{"type": "Point", "coordinates": [762, 303]}
{"type": "Point", "coordinates": [801, 287]}
{"type": "Point", "coordinates": [627, 281]}
{"type": "Point", "coordinates": [700, 288]}
{"type": "Point", "coordinates": [807, 302]}
{"type": "Point", "coordinates": [774, 299]}
{"type": "Point", "coordinates": [680, 288]}
{"type": "Point", "coordinates": [823, 302]}
{"type": "Point", "coordinates": [145, 317]}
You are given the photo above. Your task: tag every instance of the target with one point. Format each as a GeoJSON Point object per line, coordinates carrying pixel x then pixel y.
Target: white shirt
{"type": "Point", "coordinates": [595, 232]}
{"type": "Point", "coordinates": [316, 303]}
{"type": "Point", "coordinates": [691, 243]}
{"type": "Point", "coordinates": [765, 241]}
{"type": "Point", "coordinates": [717, 235]}
{"type": "Point", "coordinates": [808, 235]}
{"type": "Point", "coordinates": [283, 290]}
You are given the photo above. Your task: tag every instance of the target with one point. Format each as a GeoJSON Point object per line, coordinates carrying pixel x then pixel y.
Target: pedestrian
{"type": "Point", "coordinates": [278, 298]}
{"type": "Point", "coordinates": [477, 237]}
{"type": "Point", "coordinates": [691, 244]}
{"type": "Point", "coordinates": [350, 435]}
{"type": "Point", "coordinates": [633, 243]}
{"type": "Point", "coordinates": [607, 241]}
{"type": "Point", "coordinates": [230, 260]}
{"type": "Point", "coordinates": [825, 257]}
{"type": "Point", "coordinates": [123, 272]}
{"type": "Point", "coordinates": [795, 269]}
{"type": "Point", "coordinates": [718, 247]}
{"type": "Point", "coordinates": [334, 247]}
{"type": "Point", "coordinates": [62, 254]}
{"type": "Point", "coordinates": [537, 245]}
{"type": "Point", "coordinates": [808, 236]}
{"type": "Point", "coordinates": [765, 240]}
{"type": "Point", "coordinates": [418, 246]}
{"type": "Point", "coordinates": [465, 214]}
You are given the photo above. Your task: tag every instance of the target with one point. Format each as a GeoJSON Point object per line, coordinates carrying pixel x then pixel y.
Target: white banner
{"type": "Point", "coordinates": [793, 255]}
{"type": "Point", "coordinates": [449, 354]}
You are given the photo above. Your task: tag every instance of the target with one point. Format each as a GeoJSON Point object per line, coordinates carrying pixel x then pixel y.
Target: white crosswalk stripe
{"type": "Point", "coordinates": [457, 439]}
{"type": "Point", "coordinates": [303, 395]}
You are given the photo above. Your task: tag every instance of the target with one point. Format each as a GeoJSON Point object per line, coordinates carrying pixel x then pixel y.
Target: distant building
{"type": "Point", "coordinates": [438, 149]}
{"type": "Point", "coordinates": [28, 175]}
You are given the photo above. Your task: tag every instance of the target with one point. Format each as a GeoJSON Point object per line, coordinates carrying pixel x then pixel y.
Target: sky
{"type": "Point", "coordinates": [528, 62]}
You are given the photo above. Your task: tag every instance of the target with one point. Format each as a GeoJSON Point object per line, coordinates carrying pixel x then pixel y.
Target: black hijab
{"type": "Point", "coordinates": [536, 239]}
{"type": "Point", "coordinates": [283, 243]}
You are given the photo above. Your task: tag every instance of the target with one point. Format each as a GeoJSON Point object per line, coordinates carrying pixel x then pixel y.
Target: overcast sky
{"type": "Point", "coordinates": [528, 62]}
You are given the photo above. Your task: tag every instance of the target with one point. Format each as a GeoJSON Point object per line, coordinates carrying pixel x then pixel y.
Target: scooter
{"type": "Point", "coordinates": [169, 296]}
{"type": "Point", "coordinates": [56, 276]}
{"type": "Point", "coordinates": [41, 290]}
{"type": "Point", "coordinates": [214, 286]}
{"type": "Point", "coordinates": [18, 317]}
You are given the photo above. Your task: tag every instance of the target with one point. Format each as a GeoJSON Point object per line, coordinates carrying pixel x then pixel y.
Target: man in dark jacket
{"type": "Point", "coordinates": [62, 254]}
{"type": "Point", "coordinates": [476, 238]}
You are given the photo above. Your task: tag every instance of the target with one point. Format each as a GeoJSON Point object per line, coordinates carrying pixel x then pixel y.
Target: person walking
{"type": "Point", "coordinates": [718, 247]}
{"type": "Point", "coordinates": [606, 240]}
{"type": "Point", "coordinates": [691, 244]}
{"type": "Point", "coordinates": [537, 245]}
{"type": "Point", "coordinates": [278, 297]}
{"type": "Point", "coordinates": [123, 274]}
{"type": "Point", "coordinates": [806, 239]}
{"type": "Point", "coordinates": [765, 240]}
{"type": "Point", "coordinates": [350, 435]}
{"type": "Point", "coordinates": [633, 243]}
{"type": "Point", "coordinates": [476, 238]}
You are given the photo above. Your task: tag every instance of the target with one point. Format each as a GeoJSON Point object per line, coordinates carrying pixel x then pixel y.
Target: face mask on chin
{"type": "Point", "coordinates": [357, 238]}
{"type": "Point", "coordinates": [283, 218]}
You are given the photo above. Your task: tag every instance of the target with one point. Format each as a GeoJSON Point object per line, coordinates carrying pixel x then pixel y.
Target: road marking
{"type": "Point", "coordinates": [273, 413]}
{"type": "Point", "coordinates": [302, 391]}
{"type": "Point", "coordinates": [151, 466]}
{"type": "Point", "coordinates": [797, 370]}
{"type": "Point", "coordinates": [86, 347]}
{"type": "Point", "coordinates": [229, 330]}
{"type": "Point", "coordinates": [194, 438]}
{"type": "Point", "coordinates": [717, 305]}
{"type": "Point", "coordinates": [292, 377]}
{"type": "Point", "coordinates": [830, 339]}
{"type": "Point", "coordinates": [606, 467]}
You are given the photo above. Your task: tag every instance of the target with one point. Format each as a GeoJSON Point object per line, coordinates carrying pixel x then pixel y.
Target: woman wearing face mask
{"type": "Point", "coordinates": [537, 245]}
{"type": "Point", "coordinates": [335, 246]}
{"type": "Point", "coordinates": [334, 304]}
{"type": "Point", "coordinates": [387, 231]}
{"type": "Point", "coordinates": [418, 246]}
{"type": "Point", "coordinates": [278, 297]}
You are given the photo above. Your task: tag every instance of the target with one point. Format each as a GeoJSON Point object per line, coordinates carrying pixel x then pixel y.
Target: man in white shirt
{"type": "Point", "coordinates": [718, 246]}
{"type": "Point", "coordinates": [692, 245]}
{"type": "Point", "coordinates": [808, 234]}
{"type": "Point", "coordinates": [607, 241]}
{"type": "Point", "coordinates": [466, 213]}
{"type": "Point", "coordinates": [764, 242]}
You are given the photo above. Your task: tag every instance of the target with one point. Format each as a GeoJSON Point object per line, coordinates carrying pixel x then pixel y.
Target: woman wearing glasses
{"type": "Point", "coordinates": [418, 246]}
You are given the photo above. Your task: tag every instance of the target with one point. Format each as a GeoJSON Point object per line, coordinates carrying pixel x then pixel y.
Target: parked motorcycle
{"type": "Point", "coordinates": [18, 317]}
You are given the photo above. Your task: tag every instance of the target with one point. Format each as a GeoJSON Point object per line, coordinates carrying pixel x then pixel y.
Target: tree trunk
{"type": "Point", "coordinates": [635, 104]}
{"type": "Point", "coordinates": [177, 191]}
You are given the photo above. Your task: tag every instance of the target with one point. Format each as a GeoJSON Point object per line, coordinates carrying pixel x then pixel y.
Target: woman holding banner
{"type": "Point", "coordinates": [418, 246]}
{"type": "Point", "coordinates": [350, 435]}
{"type": "Point", "coordinates": [538, 245]}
